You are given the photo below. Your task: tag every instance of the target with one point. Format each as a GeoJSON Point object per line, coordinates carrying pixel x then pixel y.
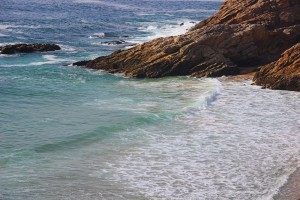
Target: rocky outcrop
{"type": "Point", "coordinates": [270, 13]}
{"type": "Point", "coordinates": [244, 33]}
{"type": "Point", "coordinates": [283, 74]}
{"type": "Point", "coordinates": [28, 48]}
{"type": "Point", "coordinates": [208, 51]}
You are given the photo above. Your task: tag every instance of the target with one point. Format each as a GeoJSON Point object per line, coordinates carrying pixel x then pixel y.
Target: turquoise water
{"type": "Point", "coordinates": [72, 133]}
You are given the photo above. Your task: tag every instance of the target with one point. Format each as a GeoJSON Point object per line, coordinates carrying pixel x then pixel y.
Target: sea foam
{"type": "Point", "coordinates": [97, 35]}
{"type": "Point", "coordinates": [165, 29]}
{"type": "Point", "coordinates": [223, 152]}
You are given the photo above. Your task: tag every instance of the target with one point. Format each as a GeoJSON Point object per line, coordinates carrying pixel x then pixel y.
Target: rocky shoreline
{"type": "Point", "coordinates": [242, 35]}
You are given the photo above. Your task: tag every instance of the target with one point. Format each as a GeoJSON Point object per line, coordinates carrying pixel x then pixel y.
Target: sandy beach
{"type": "Point", "coordinates": [291, 189]}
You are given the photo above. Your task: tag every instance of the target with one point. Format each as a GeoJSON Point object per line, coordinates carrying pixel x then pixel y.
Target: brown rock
{"type": "Point", "coordinates": [270, 13]}
{"type": "Point", "coordinates": [283, 74]}
{"type": "Point", "coordinates": [28, 48]}
{"type": "Point", "coordinates": [203, 52]}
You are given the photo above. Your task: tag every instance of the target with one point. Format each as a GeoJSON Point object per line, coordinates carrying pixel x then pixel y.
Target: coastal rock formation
{"type": "Point", "coordinates": [244, 33]}
{"type": "Point", "coordinates": [28, 48]}
{"type": "Point", "coordinates": [283, 74]}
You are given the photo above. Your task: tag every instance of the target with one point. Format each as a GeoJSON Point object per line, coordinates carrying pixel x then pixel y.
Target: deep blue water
{"type": "Point", "coordinates": [72, 133]}
{"type": "Point", "coordinates": [72, 22]}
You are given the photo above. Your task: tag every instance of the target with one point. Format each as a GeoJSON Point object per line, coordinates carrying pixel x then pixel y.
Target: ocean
{"type": "Point", "coordinates": [71, 133]}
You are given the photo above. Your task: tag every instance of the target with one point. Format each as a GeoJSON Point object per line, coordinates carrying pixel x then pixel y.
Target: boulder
{"type": "Point", "coordinates": [28, 48]}
{"type": "Point", "coordinates": [283, 74]}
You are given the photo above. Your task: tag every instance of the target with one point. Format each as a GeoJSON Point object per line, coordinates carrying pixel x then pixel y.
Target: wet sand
{"type": "Point", "coordinates": [291, 189]}
{"type": "Point", "coordinates": [248, 76]}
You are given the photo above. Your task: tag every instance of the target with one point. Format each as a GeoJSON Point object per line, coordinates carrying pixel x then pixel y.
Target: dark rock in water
{"type": "Point", "coordinates": [115, 42]}
{"type": "Point", "coordinates": [81, 63]}
{"type": "Point", "coordinates": [283, 74]}
{"type": "Point", "coordinates": [181, 24]}
{"type": "Point", "coordinates": [28, 48]}
{"type": "Point", "coordinates": [244, 33]}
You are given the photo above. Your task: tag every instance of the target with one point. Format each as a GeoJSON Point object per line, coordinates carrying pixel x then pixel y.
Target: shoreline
{"type": "Point", "coordinates": [241, 78]}
{"type": "Point", "coordinates": [248, 76]}
{"type": "Point", "coordinates": [291, 189]}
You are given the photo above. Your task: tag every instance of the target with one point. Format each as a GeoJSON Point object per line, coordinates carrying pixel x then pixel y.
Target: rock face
{"type": "Point", "coordinates": [244, 33]}
{"type": "Point", "coordinates": [283, 74]}
{"type": "Point", "coordinates": [270, 13]}
{"type": "Point", "coordinates": [28, 48]}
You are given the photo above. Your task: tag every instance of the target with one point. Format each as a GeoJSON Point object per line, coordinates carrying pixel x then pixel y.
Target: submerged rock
{"type": "Point", "coordinates": [283, 74]}
{"type": "Point", "coordinates": [244, 33]}
{"type": "Point", "coordinates": [28, 48]}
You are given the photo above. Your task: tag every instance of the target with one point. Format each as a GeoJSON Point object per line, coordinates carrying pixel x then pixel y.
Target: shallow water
{"type": "Point", "coordinates": [71, 133]}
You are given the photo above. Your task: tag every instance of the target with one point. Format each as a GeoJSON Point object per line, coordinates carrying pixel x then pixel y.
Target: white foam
{"type": "Point", "coordinates": [242, 146]}
{"type": "Point", "coordinates": [4, 26]}
{"type": "Point", "coordinates": [108, 3]}
{"type": "Point", "coordinates": [68, 48]}
{"type": "Point", "coordinates": [190, 0]}
{"type": "Point", "coordinates": [84, 21]}
{"type": "Point", "coordinates": [30, 26]}
{"type": "Point", "coordinates": [11, 26]}
{"type": "Point", "coordinates": [212, 89]}
{"type": "Point", "coordinates": [50, 59]}
{"type": "Point", "coordinates": [97, 35]}
{"type": "Point", "coordinates": [194, 94]}
{"type": "Point", "coordinates": [192, 11]}
{"type": "Point", "coordinates": [145, 14]}
{"type": "Point", "coordinates": [166, 29]}
{"type": "Point", "coordinates": [10, 43]}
